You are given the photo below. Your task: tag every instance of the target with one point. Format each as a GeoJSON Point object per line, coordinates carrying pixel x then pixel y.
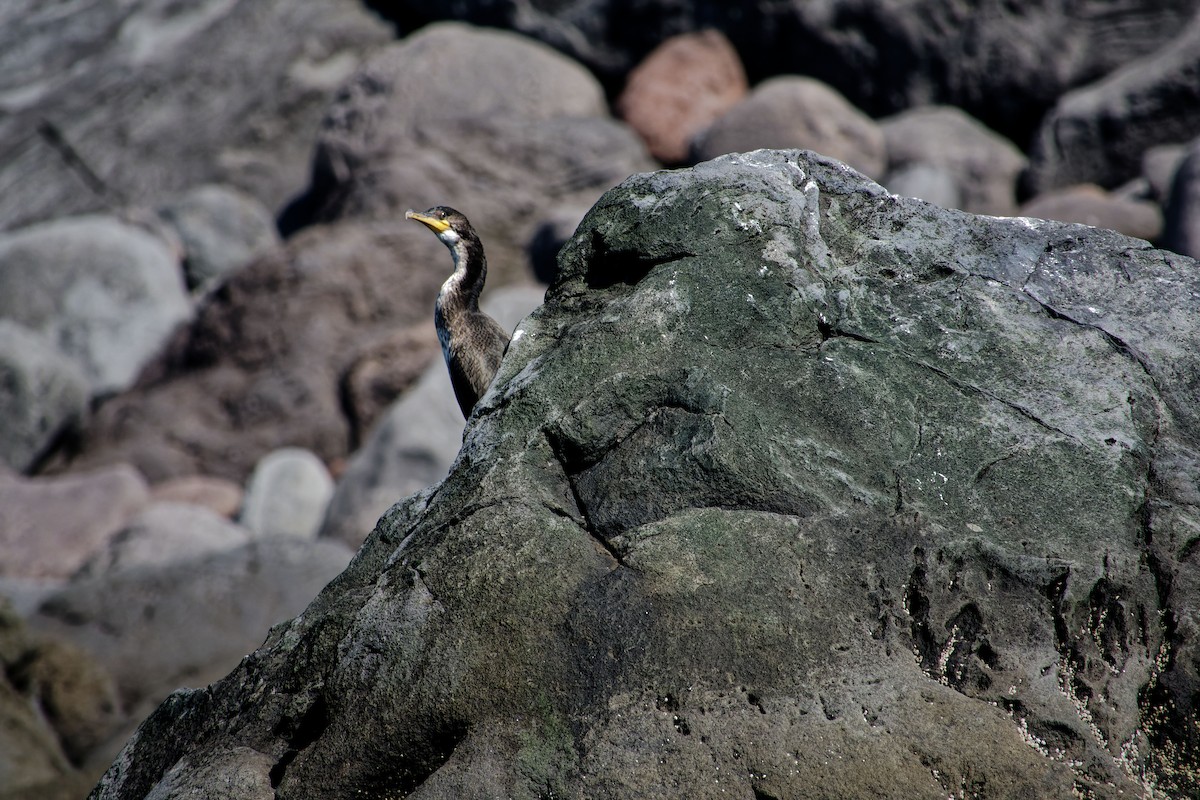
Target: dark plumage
{"type": "Point", "coordinates": [472, 342]}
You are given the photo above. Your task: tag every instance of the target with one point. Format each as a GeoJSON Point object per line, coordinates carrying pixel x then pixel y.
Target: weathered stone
{"type": "Point", "coordinates": [106, 293]}
{"type": "Point", "coordinates": [984, 165]}
{"type": "Point", "coordinates": [241, 772]}
{"type": "Point", "coordinates": [50, 526]}
{"type": "Point", "coordinates": [680, 89]}
{"type": "Point", "coordinates": [43, 392]}
{"type": "Point", "coordinates": [793, 111]}
{"type": "Point", "coordinates": [162, 534]}
{"type": "Point", "coordinates": [220, 496]}
{"type": "Point", "coordinates": [415, 443]}
{"type": "Point", "coordinates": [1097, 134]}
{"type": "Point", "coordinates": [221, 229]}
{"type": "Point", "coordinates": [526, 130]}
{"type": "Point", "coordinates": [1090, 205]}
{"type": "Point", "coordinates": [1181, 231]}
{"type": "Point", "coordinates": [790, 483]}
{"type": "Point", "coordinates": [117, 102]}
{"type": "Point", "coordinates": [287, 494]}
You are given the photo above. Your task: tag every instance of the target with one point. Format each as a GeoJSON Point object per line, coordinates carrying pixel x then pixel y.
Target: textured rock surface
{"type": "Point", "coordinates": [679, 90]}
{"type": "Point", "coordinates": [262, 365]}
{"type": "Point", "coordinates": [106, 293]}
{"type": "Point", "coordinates": [287, 494]}
{"type": "Point", "coordinates": [984, 165]}
{"type": "Point", "coordinates": [103, 103]}
{"type": "Point", "coordinates": [790, 483]}
{"type": "Point", "coordinates": [1088, 204]}
{"type": "Point", "coordinates": [44, 393]}
{"type": "Point", "coordinates": [50, 526]}
{"type": "Point", "coordinates": [498, 126]}
{"type": "Point", "coordinates": [1097, 134]}
{"type": "Point", "coordinates": [415, 443]}
{"type": "Point", "coordinates": [885, 55]}
{"type": "Point", "coordinates": [793, 111]}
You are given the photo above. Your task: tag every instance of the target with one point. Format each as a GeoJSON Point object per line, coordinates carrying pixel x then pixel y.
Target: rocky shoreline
{"type": "Point", "coordinates": [216, 350]}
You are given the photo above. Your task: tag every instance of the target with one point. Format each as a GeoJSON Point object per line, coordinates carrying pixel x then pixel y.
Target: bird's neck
{"type": "Point", "coordinates": [461, 290]}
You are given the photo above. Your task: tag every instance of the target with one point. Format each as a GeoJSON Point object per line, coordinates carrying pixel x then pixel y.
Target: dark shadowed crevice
{"type": "Point", "coordinates": [916, 602]}
{"type": "Point", "coordinates": [416, 765]}
{"type": "Point", "coordinates": [609, 266]}
{"type": "Point", "coordinates": [829, 330]}
{"type": "Point", "coordinates": [567, 457]}
{"type": "Point", "coordinates": [1169, 703]}
{"type": "Point", "coordinates": [299, 732]}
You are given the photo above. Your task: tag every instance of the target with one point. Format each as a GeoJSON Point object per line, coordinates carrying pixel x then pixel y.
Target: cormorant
{"type": "Point", "coordinates": [472, 342]}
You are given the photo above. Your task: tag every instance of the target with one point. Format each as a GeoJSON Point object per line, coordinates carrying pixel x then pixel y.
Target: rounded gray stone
{"type": "Point", "coordinates": [287, 494]}
{"type": "Point", "coordinates": [105, 292]}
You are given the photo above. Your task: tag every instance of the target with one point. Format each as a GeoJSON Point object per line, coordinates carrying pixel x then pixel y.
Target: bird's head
{"type": "Point", "coordinates": [449, 225]}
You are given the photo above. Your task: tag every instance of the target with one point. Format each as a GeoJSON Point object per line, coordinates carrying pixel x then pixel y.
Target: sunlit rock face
{"type": "Point", "coordinates": [791, 487]}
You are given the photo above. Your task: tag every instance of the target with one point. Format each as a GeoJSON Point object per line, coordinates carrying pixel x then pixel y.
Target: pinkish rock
{"type": "Point", "coordinates": [1091, 205]}
{"type": "Point", "coordinates": [221, 496]}
{"type": "Point", "coordinates": [50, 526]}
{"type": "Point", "coordinates": [680, 89]}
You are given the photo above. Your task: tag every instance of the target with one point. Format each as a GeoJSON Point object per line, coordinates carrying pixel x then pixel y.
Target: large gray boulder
{"type": "Point", "coordinates": [983, 165]}
{"type": "Point", "coordinates": [792, 488]}
{"type": "Point", "coordinates": [220, 229]}
{"type": "Point", "coordinates": [107, 103]}
{"type": "Point", "coordinates": [287, 494]}
{"type": "Point", "coordinates": [795, 111]}
{"type": "Point", "coordinates": [107, 293]}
